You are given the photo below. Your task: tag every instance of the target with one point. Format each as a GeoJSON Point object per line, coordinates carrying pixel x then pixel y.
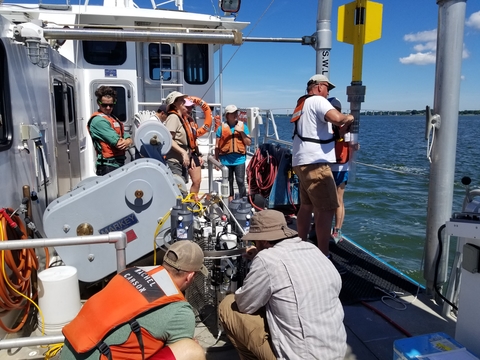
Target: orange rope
{"type": "Point", "coordinates": [15, 280]}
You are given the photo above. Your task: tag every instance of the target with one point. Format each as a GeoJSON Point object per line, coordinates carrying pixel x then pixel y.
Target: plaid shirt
{"type": "Point", "coordinates": [299, 287]}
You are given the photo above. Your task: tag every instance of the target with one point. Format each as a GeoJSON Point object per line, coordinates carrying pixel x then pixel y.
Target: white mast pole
{"type": "Point", "coordinates": [451, 22]}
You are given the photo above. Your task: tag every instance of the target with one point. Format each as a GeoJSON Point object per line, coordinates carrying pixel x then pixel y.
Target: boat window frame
{"type": "Point", "coordinates": [6, 134]}
{"type": "Point", "coordinates": [196, 61]}
{"type": "Point", "coordinates": [118, 55]}
{"type": "Point", "coordinates": [167, 56]}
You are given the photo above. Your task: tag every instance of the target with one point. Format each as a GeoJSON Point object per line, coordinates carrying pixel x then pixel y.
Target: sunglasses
{"type": "Point", "coordinates": [106, 105]}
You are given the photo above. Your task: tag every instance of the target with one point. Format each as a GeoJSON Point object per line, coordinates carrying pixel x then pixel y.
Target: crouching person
{"type": "Point", "coordinates": [288, 306]}
{"type": "Point", "coordinates": [141, 314]}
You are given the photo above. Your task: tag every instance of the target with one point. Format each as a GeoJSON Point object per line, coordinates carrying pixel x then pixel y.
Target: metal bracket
{"type": "Point", "coordinates": [432, 121]}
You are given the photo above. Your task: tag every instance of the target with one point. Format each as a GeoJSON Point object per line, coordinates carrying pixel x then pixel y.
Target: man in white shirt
{"type": "Point", "coordinates": [313, 151]}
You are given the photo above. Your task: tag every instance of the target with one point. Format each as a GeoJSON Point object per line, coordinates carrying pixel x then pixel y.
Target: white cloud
{"type": "Point", "coordinates": [419, 59]}
{"type": "Point", "coordinates": [422, 36]}
{"type": "Point", "coordinates": [429, 46]}
{"type": "Point", "coordinates": [474, 20]}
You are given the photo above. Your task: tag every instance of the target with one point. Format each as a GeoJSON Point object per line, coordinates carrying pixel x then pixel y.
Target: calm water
{"type": "Point", "coordinates": [386, 205]}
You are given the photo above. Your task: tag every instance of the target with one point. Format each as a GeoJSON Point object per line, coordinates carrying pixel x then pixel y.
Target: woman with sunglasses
{"type": "Point", "coordinates": [108, 135]}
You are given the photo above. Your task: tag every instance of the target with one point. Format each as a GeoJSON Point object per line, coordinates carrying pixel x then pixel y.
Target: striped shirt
{"type": "Point", "coordinates": [299, 287]}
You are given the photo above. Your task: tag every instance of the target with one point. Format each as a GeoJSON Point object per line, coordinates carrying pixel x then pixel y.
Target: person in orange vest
{"type": "Point", "coordinates": [178, 158]}
{"type": "Point", "coordinates": [233, 137]}
{"type": "Point", "coordinates": [108, 134]}
{"type": "Point", "coordinates": [196, 160]}
{"type": "Point", "coordinates": [141, 313]}
{"type": "Point", "coordinates": [313, 151]}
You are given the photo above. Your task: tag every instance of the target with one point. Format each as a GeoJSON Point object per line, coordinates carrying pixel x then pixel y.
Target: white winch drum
{"type": "Point", "coordinates": [58, 298]}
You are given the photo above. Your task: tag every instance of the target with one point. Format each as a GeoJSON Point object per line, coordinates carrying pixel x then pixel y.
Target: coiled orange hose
{"type": "Point", "coordinates": [15, 281]}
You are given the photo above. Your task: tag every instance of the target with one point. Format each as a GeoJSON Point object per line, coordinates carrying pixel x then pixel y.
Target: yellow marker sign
{"type": "Point", "coordinates": [359, 23]}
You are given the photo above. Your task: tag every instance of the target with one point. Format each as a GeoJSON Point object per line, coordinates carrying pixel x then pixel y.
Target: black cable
{"type": "Point", "coordinates": [38, 144]}
{"type": "Point", "coordinates": [437, 265]}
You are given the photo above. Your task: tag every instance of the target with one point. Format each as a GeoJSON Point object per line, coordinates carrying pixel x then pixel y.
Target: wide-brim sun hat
{"type": "Point", "coordinates": [174, 95]}
{"type": "Point", "coordinates": [319, 78]}
{"type": "Point", "coordinates": [269, 225]}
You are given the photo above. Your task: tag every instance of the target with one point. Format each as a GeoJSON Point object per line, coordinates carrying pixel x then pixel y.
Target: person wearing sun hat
{"type": "Point", "coordinates": [294, 289]}
{"type": "Point", "coordinates": [141, 313]}
{"type": "Point", "coordinates": [178, 158]}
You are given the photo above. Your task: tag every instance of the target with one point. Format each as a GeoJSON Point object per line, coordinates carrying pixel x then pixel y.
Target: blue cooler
{"type": "Point", "coordinates": [430, 347]}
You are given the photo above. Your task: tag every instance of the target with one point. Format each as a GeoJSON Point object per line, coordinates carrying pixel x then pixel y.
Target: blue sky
{"type": "Point", "coordinates": [398, 69]}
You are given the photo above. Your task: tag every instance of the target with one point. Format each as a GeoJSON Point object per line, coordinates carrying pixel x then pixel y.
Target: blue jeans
{"type": "Point", "coordinates": [239, 171]}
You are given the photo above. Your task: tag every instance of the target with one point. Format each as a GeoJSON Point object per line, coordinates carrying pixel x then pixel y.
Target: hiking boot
{"type": "Point", "coordinates": [337, 235]}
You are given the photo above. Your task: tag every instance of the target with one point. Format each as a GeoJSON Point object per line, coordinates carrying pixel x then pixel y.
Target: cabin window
{"type": "Point", "coordinates": [6, 126]}
{"type": "Point", "coordinates": [120, 108]}
{"type": "Point", "coordinates": [65, 112]}
{"type": "Point", "coordinates": [195, 63]}
{"type": "Point", "coordinates": [160, 61]}
{"type": "Point", "coordinates": [72, 112]}
{"type": "Point", "coordinates": [60, 120]}
{"type": "Point", "coordinates": [108, 53]}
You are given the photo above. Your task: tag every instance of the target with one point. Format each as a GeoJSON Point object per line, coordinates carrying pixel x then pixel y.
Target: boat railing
{"type": "Point", "coordinates": [118, 238]}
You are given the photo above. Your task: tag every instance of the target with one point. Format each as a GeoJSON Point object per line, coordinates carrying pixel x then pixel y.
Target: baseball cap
{"type": "Point", "coordinates": [230, 109]}
{"type": "Point", "coordinates": [318, 78]}
{"type": "Point", "coordinates": [335, 103]}
{"type": "Point", "coordinates": [162, 108]}
{"type": "Point", "coordinates": [269, 225]}
{"type": "Point", "coordinates": [185, 255]}
{"type": "Point", "coordinates": [188, 102]}
{"type": "Point", "coordinates": [173, 96]}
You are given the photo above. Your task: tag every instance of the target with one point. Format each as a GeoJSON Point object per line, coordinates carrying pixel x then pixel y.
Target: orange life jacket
{"type": "Point", "coordinates": [191, 138]}
{"type": "Point", "coordinates": [101, 147]}
{"type": "Point", "coordinates": [341, 147]}
{"type": "Point", "coordinates": [128, 295]}
{"type": "Point", "coordinates": [231, 143]}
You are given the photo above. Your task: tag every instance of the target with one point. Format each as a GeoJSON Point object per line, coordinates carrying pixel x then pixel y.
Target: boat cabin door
{"type": "Point", "coordinates": [67, 148]}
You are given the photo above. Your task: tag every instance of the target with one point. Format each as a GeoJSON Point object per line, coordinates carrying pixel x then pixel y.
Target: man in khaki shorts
{"type": "Point", "coordinates": [313, 151]}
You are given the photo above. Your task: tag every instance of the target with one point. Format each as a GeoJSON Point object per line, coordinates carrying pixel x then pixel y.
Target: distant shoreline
{"type": "Point", "coordinates": [403, 113]}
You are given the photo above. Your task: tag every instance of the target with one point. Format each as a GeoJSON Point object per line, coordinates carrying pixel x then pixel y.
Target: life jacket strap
{"type": "Point", "coordinates": [135, 326]}
{"type": "Point", "coordinates": [105, 350]}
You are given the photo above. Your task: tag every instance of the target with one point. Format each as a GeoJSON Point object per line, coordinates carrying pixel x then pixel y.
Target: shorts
{"type": "Point", "coordinates": [340, 177]}
{"type": "Point", "coordinates": [317, 186]}
{"type": "Point", "coordinates": [164, 354]}
{"type": "Point", "coordinates": [196, 159]}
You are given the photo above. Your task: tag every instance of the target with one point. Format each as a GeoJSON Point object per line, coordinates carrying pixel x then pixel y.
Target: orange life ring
{"type": "Point", "coordinates": [207, 112]}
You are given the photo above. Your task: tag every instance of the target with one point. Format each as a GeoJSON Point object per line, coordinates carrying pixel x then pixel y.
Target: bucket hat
{"type": "Point", "coordinates": [269, 225]}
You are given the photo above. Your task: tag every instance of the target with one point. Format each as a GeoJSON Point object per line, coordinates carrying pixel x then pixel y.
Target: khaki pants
{"type": "Point", "coordinates": [248, 333]}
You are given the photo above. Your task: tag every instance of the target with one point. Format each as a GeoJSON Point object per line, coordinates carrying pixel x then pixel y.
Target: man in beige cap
{"type": "Point", "coordinates": [294, 288]}
{"type": "Point", "coordinates": [313, 150]}
{"type": "Point", "coordinates": [141, 313]}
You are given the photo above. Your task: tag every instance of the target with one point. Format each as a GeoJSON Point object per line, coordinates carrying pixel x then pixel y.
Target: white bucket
{"type": "Point", "coordinates": [58, 298]}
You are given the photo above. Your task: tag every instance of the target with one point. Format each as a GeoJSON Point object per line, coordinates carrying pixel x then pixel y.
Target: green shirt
{"type": "Point", "coordinates": [170, 323]}
{"type": "Point", "coordinates": [101, 130]}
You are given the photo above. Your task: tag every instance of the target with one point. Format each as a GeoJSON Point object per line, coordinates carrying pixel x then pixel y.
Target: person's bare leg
{"type": "Point", "coordinates": [196, 176]}
{"type": "Point", "coordinates": [304, 220]}
{"type": "Point", "coordinates": [340, 212]}
{"type": "Point", "coordinates": [323, 222]}
{"type": "Point", "coordinates": [187, 349]}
